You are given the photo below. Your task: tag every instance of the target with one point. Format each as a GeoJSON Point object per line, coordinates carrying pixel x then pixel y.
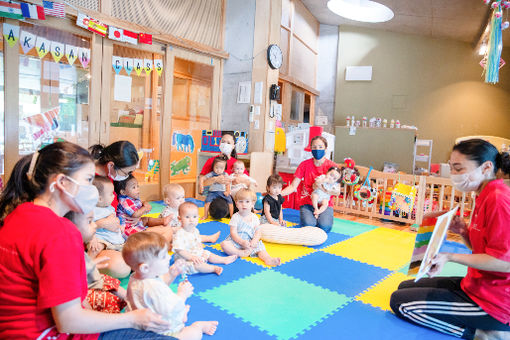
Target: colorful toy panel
{"type": "Point", "coordinates": [211, 141]}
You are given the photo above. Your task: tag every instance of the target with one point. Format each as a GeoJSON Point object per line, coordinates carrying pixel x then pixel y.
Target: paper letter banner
{"type": "Point", "coordinates": [84, 56]}
{"type": "Point", "coordinates": [71, 53]}
{"type": "Point", "coordinates": [57, 50]}
{"type": "Point", "coordinates": [138, 66]}
{"type": "Point", "coordinates": [42, 46]}
{"type": "Point", "coordinates": [27, 41]}
{"type": "Point", "coordinates": [117, 64]}
{"type": "Point", "coordinates": [115, 33]}
{"type": "Point", "coordinates": [128, 65]}
{"type": "Point", "coordinates": [158, 65]}
{"type": "Point", "coordinates": [11, 34]}
{"type": "Point", "coordinates": [148, 66]}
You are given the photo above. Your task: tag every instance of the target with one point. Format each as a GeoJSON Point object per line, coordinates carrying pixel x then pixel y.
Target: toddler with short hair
{"type": "Point", "coordinates": [272, 211]}
{"type": "Point", "coordinates": [187, 244]}
{"type": "Point", "coordinates": [244, 239]}
{"type": "Point", "coordinates": [130, 206]}
{"type": "Point", "coordinates": [217, 189]}
{"type": "Point", "coordinates": [147, 255]}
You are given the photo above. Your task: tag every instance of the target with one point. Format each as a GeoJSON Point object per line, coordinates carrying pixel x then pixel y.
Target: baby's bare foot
{"type": "Point", "coordinates": [209, 327]}
{"type": "Point", "coordinates": [214, 237]}
{"type": "Point", "coordinates": [229, 259]}
{"type": "Point", "coordinates": [218, 270]}
{"type": "Point", "coordinates": [275, 261]}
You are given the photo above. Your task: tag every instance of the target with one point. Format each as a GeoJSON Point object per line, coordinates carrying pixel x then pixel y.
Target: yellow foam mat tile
{"type": "Point", "coordinates": [392, 253]}
{"type": "Point", "coordinates": [285, 252]}
{"type": "Point", "coordinates": [379, 295]}
{"type": "Point", "coordinates": [155, 215]}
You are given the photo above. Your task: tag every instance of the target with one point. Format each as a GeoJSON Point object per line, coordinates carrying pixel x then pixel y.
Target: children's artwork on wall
{"type": "Point", "coordinates": [431, 235]}
{"type": "Point", "coordinates": [211, 141]}
{"type": "Point", "coordinates": [402, 198]}
{"type": "Point", "coordinates": [152, 169]}
{"type": "Point", "coordinates": [183, 153]}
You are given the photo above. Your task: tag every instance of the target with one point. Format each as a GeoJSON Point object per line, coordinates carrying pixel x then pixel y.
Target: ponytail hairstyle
{"type": "Point", "coordinates": [123, 154]}
{"type": "Point", "coordinates": [481, 151]}
{"type": "Point", "coordinates": [30, 175]}
{"type": "Point", "coordinates": [233, 154]}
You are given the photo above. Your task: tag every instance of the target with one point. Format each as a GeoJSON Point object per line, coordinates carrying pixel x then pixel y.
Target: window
{"type": "Point", "coordinates": [53, 95]}
{"type": "Point", "coordinates": [296, 105]}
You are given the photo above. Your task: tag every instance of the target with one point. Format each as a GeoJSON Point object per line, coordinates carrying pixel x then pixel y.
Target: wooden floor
{"type": "Point", "coordinates": [393, 225]}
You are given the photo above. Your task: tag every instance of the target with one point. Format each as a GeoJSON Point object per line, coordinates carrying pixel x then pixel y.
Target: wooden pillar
{"type": "Point", "coordinates": [166, 116]}
{"type": "Point", "coordinates": [267, 31]}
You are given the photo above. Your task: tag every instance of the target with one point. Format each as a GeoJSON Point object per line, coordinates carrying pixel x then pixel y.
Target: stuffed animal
{"type": "Point", "coordinates": [350, 174]}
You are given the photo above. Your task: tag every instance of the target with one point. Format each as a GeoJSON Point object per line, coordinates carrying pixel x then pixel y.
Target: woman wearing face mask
{"type": "Point", "coordinates": [478, 305]}
{"type": "Point", "coordinates": [115, 161]}
{"type": "Point", "coordinates": [307, 172]}
{"type": "Point", "coordinates": [41, 253]}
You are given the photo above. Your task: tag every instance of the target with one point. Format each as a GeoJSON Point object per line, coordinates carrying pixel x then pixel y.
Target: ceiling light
{"type": "Point", "coordinates": [361, 10]}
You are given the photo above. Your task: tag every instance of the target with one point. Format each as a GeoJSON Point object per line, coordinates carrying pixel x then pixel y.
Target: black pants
{"type": "Point", "coordinates": [440, 304]}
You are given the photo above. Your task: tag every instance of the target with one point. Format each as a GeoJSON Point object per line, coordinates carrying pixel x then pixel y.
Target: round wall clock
{"type": "Point", "coordinates": [274, 56]}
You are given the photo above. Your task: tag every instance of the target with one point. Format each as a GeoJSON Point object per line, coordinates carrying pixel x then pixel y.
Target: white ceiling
{"type": "Point", "coordinates": [452, 19]}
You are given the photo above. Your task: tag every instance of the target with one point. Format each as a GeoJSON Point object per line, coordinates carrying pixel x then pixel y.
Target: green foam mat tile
{"type": "Point", "coordinates": [350, 228]}
{"type": "Point", "coordinates": [281, 305]}
{"type": "Point", "coordinates": [453, 269]}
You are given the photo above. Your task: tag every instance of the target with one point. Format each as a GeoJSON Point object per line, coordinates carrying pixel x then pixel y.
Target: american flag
{"type": "Point", "coordinates": [54, 8]}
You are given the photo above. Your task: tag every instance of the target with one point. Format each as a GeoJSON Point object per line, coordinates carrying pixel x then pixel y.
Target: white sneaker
{"type": "Point", "coordinates": [481, 334]}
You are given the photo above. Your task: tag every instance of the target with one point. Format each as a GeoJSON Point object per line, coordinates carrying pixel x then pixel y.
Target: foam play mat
{"type": "Point", "coordinates": [339, 290]}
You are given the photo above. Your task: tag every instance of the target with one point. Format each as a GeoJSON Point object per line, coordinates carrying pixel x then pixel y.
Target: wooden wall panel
{"type": "Point", "coordinates": [286, 12]}
{"type": "Point", "coordinates": [284, 45]}
{"type": "Point", "coordinates": [303, 63]}
{"type": "Point", "coordinates": [306, 27]}
{"type": "Point", "coordinates": [197, 20]}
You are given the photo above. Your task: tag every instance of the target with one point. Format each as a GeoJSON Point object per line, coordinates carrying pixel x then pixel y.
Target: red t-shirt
{"type": "Point", "coordinates": [489, 233]}
{"type": "Point", "coordinates": [307, 172]}
{"type": "Point", "coordinates": [41, 266]}
{"type": "Point", "coordinates": [207, 168]}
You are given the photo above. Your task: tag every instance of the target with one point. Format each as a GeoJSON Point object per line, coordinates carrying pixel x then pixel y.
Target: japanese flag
{"type": "Point", "coordinates": [115, 33]}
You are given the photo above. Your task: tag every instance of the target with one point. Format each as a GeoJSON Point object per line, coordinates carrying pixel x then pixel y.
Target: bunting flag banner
{"type": "Point", "coordinates": [158, 65]}
{"type": "Point", "coordinates": [42, 46]}
{"type": "Point", "coordinates": [115, 33]}
{"type": "Point", "coordinates": [71, 54]}
{"type": "Point", "coordinates": [84, 56]}
{"type": "Point", "coordinates": [54, 9]}
{"type": "Point", "coordinates": [117, 63]}
{"type": "Point", "coordinates": [128, 65]}
{"type": "Point", "coordinates": [98, 27]}
{"type": "Point", "coordinates": [83, 21]}
{"type": "Point", "coordinates": [147, 66]}
{"type": "Point", "coordinates": [138, 66]}
{"type": "Point", "coordinates": [27, 41]}
{"type": "Point", "coordinates": [32, 11]}
{"type": "Point", "coordinates": [9, 9]}
{"type": "Point", "coordinates": [57, 50]}
{"type": "Point", "coordinates": [145, 38]}
{"type": "Point", "coordinates": [11, 33]}
{"type": "Point", "coordinates": [130, 37]}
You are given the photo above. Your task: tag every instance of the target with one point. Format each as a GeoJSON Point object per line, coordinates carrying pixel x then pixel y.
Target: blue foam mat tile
{"type": "Point", "coordinates": [454, 247]}
{"type": "Point", "coordinates": [335, 273]}
{"type": "Point", "coordinates": [363, 322]}
{"type": "Point", "coordinates": [333, 238]}
{"type": "Point", "coordinates": [209, 228]}
{"type": "Point", "coordinates": [199, 203]}
{"type": "Point", "coordinates": [291, 215]}
{"type": "Point", "coordinates": [229, 327]}
{"type": "Point", "coordinates": [231, 272]}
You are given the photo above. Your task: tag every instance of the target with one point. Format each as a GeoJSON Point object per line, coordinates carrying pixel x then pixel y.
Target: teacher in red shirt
{"type": "Point", "coordinates": [477, 305]}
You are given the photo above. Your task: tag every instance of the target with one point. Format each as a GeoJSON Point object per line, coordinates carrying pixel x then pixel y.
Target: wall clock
{"type": "Point", "coordinates": [274, 56]}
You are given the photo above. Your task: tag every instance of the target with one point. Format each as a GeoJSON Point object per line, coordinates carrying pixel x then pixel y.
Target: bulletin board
{"type": "Point", "coordinates": [211, 141]}
{"type": "Point", "coordinates": [184, 152]}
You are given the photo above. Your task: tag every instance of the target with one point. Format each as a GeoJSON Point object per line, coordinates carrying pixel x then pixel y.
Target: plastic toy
{"type": "Point", "coordinates": [402, 198]}
{"type": "Point", "coordinates": [365, 192]}
{"type": "Point", "coordinates": [350, 175]}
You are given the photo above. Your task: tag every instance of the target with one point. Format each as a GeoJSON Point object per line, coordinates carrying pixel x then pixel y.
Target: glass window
{"type": "Point", "coordinates": [192, 91]}
{"type": "Point", "coordinates": [296, 105]}
{"type": "Point", "coordinates": [133, 114]}
{"type": "Point", "coordinates": [53, 95]}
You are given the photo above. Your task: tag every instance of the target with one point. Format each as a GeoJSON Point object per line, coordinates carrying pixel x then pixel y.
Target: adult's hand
{"type": "Point", "coordinates": [437, 263]}
{"type": "Point", "coordinates": [146, 320]}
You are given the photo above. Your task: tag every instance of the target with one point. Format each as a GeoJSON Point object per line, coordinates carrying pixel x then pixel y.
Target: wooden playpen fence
{"type": "Point", "coordinates": [433, 194]}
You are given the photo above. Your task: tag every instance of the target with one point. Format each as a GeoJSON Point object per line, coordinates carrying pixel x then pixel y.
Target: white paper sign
{"type": "Point", "coordinates": [257, 95]}
{"type": "Point", "coordinates": [27, 41]}
{"type": "Point", "coordinates": [436, 241]}
{"type": "Point", "coordinates": [244, 92]}
{"type": "Point", "coordinates": [122, 88]}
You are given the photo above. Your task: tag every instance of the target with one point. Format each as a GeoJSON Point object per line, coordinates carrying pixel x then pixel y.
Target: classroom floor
{"type": "Point", "coordinates": [339, 290]}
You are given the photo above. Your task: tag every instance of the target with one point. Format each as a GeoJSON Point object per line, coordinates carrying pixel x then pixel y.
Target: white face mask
{"type": "Point", "coordinates": [226, 148]}
{"type": "Point", "coordinates": [117, 177]}
{"type": "Point", "coordinates": [469, 181]}
{"type": "Point", "coordinates": [85, 198]}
